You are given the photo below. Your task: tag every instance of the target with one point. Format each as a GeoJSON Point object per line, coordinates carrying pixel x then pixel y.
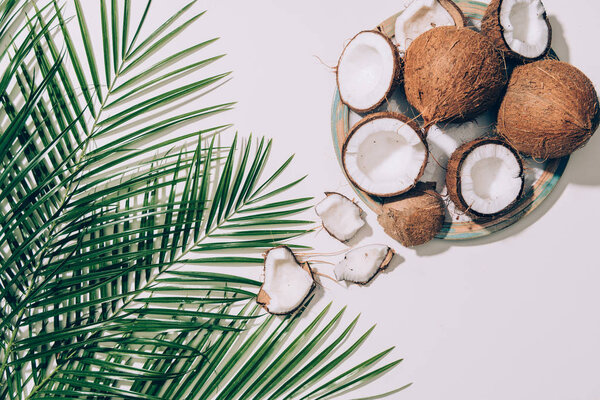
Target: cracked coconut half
{"type": "Point", "coordinates": [423, 15]}
{"type": "Point", "coordinates": [520, 28]}
{"type": "Point", "coordinates": [384, 154]}
{"type": "Point", "coordinates": [360, 265]}
{"type": "Point", "coordinates": [368, 71]}
{"type": "Point", "coordinates": [287, 283]}
{"type": "Point", "coordinates": [485, 177]}
{"type": "Point", "coordinates": [341, 217]}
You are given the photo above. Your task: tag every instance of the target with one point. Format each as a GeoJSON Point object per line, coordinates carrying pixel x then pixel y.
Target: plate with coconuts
{"type": "Point", "coordinates": [454, 119]}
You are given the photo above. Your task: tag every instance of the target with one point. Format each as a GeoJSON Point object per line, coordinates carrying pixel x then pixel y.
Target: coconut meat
{"type": "Point", "coordinates": [366, 70]}
{"type": "Point", "coordinates": [420, 16]}
{"type": "Point", "coordinates": [361, 264]}
{"type": "Point", "coordinates": [286, 282]}
{"type": "Point", "coordinates": [491, 178]}
{"type": "Point", "coordinates": [384, 156]}
{"type": "Point", "coordinates": [340, 216]}
{"type": "Point", "coordinates": [524, 26]}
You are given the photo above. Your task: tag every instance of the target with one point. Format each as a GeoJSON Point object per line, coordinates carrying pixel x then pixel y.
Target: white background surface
{"type": "Point", "coordinates": [512, 316]}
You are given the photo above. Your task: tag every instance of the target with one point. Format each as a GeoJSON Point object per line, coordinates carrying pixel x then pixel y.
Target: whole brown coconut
{"type": "Point", "coordinates": [453, 73]}
{"type": "Point", "coordinates": [550, 109]}
{"type": "Point", "coordinates": [491, 27]}
{"type": "Point", "coordinates": [415, 217]}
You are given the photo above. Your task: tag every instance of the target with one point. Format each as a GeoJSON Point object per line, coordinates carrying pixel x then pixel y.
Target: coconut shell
{"type": "Point", "coordinates": [453, 74]}
{"type": "Point", "coordinates": [361, 212]}
{"type": "Point", "coordinates": [415, 217]}
{"type": "Point", "coordinates": [263, 297]}
{"type": "Point", "coordinates": [395, 81]}
{"type": "Point", "coordinates": [385, 114]}
{"type": "Point", "coordinates": [550, 109]}
{"type": "Point", "coordinates": [455, 12]}
{"type": "Point", "coordinates": [384, 264]}
{"type": "Point", "coordinates": [490, 27]}
{"type": "Point", "coordinates": [453, 181]}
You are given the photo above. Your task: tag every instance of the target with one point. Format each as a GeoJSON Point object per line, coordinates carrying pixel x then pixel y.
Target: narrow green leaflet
{"type": "Point", "coordinates": [133, 228]}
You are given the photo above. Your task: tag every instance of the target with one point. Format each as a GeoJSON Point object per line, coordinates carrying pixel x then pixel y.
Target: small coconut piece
{"type": "Point", "coordinates": [341, 217]}
{"type": "Point", "coordinates": [453, 73]}
{"type": "Point", "coordinates": [384, 154]}
{"type": "Point", "coordinates": [485, 177]}
{"type": "Point", "coordinates": [423, 15]}
{"type": "Point", "coordinates": [361, 264]}
{"type": "Point", "coordinates": [550, 109]}
{"type": "Point", "coordinates": [415, 217]}
{"type": "Point", "coordinates": [519, 28]}
{"type": "Point", "coordinates": [368, 71]}
{"type": "Point", "coordinates": [287, 282]}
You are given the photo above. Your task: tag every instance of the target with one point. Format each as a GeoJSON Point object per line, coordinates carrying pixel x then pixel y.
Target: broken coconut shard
{"type": "Point", "coordinates": [341, 217]}
{"type": "Point", "coordinates": [414, 218]}
{"type": "Point", "coordinates": [368, 71]}
{"type": "Point", "coordinates": [423, 15]}
{"type": "Point", "coordinates": [519, 28]}
{"type": "Point", "coordinates": [287, 283]}
{"type": "Point", "coordinates": [360, 265]}
{"type": "Point", "coordinates": [453, 74]}
{"type": "Point", "coordinates": [550, 109]}
{"type": "Point", "coordinates": [384, 154]}
{"type": "Point", "coordinates": [485, 178]}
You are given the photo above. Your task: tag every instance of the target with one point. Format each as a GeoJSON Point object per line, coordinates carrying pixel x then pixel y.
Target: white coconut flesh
{"type": "Point", "coordinates": [384, 156]}
{"type": "Point", "coordinates": [491, 178]}
{"type": "Point", "coordinates": [419, 17]}
{"type": "Point", "coordinates": [366, 70]}
{"type": "Point", "coordinates": [340, 216]}
{"type": "Point", "coordinates": [286, 283]}
{"type": "Point", "coordinates": [524, 27]}
{"type": "Point", "coordinates": [361, 264]}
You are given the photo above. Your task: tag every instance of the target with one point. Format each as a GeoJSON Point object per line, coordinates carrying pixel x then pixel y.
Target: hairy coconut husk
{"type": "Point", "coordinates": [453, 181]}
{"type": "Point", "coordinates": [453, 74]}
{"type": "Point", "coordinates": [415, 217]}
{"type": "Point", "coordinates": [397, 77]}
{"type": "Point", "coordinates": [550, 109]}
{"type": "Point", "coordinates": [490, 27]}
{"type": "Point", "coordinates": [263, 297]}
{"type": "Point", "coordinates": [386, 114]}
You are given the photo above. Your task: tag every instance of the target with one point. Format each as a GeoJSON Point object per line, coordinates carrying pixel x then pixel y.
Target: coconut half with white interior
{"type": "Point", "coordinates": [341, 217]}
{"type": "Point", "coordinates": [287, 282]}
{"type": "Point", "coordinates": [384, 154]}
{"type": "Point", "coordinates": [360, 265]}
{"type": "Point", "coordinates": [485, 178]}
{"type": "Point", "coordinates": [368, 70]}
{"type": "Point", "coordinates": [423, 15]}
{"type": "Point", "coordinates": [519, 28]}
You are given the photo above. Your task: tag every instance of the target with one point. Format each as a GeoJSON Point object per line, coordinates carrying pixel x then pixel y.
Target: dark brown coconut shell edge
{"type": "Point", "coordinates": [394, 82]}
{"type": "Point", "coordinates": [263, 297]}
{"type": "Point", "coordinates": [384, 264]}
{"type": "Point", "coordinates": [386, 114]}
{"type": "Point", "coordinates": [362, 212]}
{"type": "Point", "coordinates": [490, 27]}
{"type": "Point", "coordinates": [453, 182]}
{"type": "Point", "coordinates": [455, 12]}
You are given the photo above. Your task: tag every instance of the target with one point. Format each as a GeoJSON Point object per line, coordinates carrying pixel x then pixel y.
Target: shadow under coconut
{"type": "Point", "coordinates": [583, 165]}
{"type": "Point", "coordinates": [438, 246]}
{"type": "Point", "coordinates": [559, 44]}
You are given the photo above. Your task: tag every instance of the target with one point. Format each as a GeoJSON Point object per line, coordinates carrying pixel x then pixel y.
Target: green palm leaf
{"type": "Point", "coordinates": [109, 226]}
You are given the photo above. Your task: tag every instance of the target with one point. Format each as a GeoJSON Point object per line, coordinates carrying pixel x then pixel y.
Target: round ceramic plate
{"type": "Point", "coordinates": [540, 177]}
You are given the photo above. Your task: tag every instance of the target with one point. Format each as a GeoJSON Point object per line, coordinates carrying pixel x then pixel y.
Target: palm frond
{"type": "Point", "coordinates": [109, 226]}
